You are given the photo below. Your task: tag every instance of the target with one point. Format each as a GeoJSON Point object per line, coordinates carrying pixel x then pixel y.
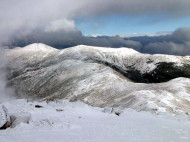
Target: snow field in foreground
{"type": "Point", "coordinates": [63, 121]}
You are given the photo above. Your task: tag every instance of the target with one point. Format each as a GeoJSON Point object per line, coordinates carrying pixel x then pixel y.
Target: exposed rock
{"type": "Point", "coordinates": [4, 118]}
{"type": "Point", "coordinates": [59, 110]}
{"type": "Point", "coordinates": [117, 111]}
{"type": "Point", "coordinates": [38, 106]}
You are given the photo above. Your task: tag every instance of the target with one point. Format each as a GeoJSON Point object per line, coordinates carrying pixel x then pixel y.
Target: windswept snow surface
{"type": "Point", "coordinates": [63, 121]}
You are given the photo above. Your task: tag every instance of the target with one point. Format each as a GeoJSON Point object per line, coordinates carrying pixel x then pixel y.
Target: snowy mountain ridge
{"type": "Point", "coordinates": [101, 77]}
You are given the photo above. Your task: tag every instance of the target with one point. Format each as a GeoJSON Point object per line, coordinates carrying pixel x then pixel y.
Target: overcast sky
{"type": "Point", "coordinates": [65, 22]}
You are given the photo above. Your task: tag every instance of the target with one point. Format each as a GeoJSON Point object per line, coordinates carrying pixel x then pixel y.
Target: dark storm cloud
{"type": "Point", "coordinates": [171, 48]}
{"type": "Point", "coordinates": [112, 41]}
{"type": "Point", "coordinates": [168, 7]}
{"type": "Point", "coordinates": [27, 15]}
{"type": "Point", "coordinates": [167, 44]}
{"type": "Point", "coordinates": [51, 22]}
{"type": "Point", "coordinates": [58, 39]}
{"type": "Point", "coordinates": [182, 34]}
{"type": "Point", "coordinates": [63, 38]}
{"type": "Point", "coordinates": [178, 43]}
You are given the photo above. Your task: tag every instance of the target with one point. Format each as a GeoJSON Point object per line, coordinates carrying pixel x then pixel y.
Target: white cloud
{"type": "Point", "coordinates": [62, 24]}
{"type": "Point", "coordinates": [24, 16]}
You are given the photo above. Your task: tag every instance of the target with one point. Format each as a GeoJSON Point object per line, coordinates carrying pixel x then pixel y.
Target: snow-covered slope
{"type": "Point", "coordinates": [101, 77]}
{"type": "Point", "coordinates": [132, 64]}
{"type": "Point", "coordinates": [61, 120]}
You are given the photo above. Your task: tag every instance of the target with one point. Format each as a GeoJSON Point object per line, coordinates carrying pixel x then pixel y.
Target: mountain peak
{"type": "Point", "coordinates": [39, 46]}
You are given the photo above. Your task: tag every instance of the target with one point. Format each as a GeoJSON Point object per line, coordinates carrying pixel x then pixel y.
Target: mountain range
{"type": "Point", "coordinates": [102, 77]}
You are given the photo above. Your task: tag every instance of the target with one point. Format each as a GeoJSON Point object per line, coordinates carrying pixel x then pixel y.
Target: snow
{"type": "Point", "coordinates": [128, 57]}
{"type": "Point", "coordinates": [46, 73]}
{"type": "Point", "coordinates": [77, 122]}
{"type": "Point", "coordinates": [38, 47]}
{"type": "Point", "coordinates": [125, 58]}
{"type": "Point", "coordinates": [46, 69]}
{"type": "Point", "coordinates": [34, 52]}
